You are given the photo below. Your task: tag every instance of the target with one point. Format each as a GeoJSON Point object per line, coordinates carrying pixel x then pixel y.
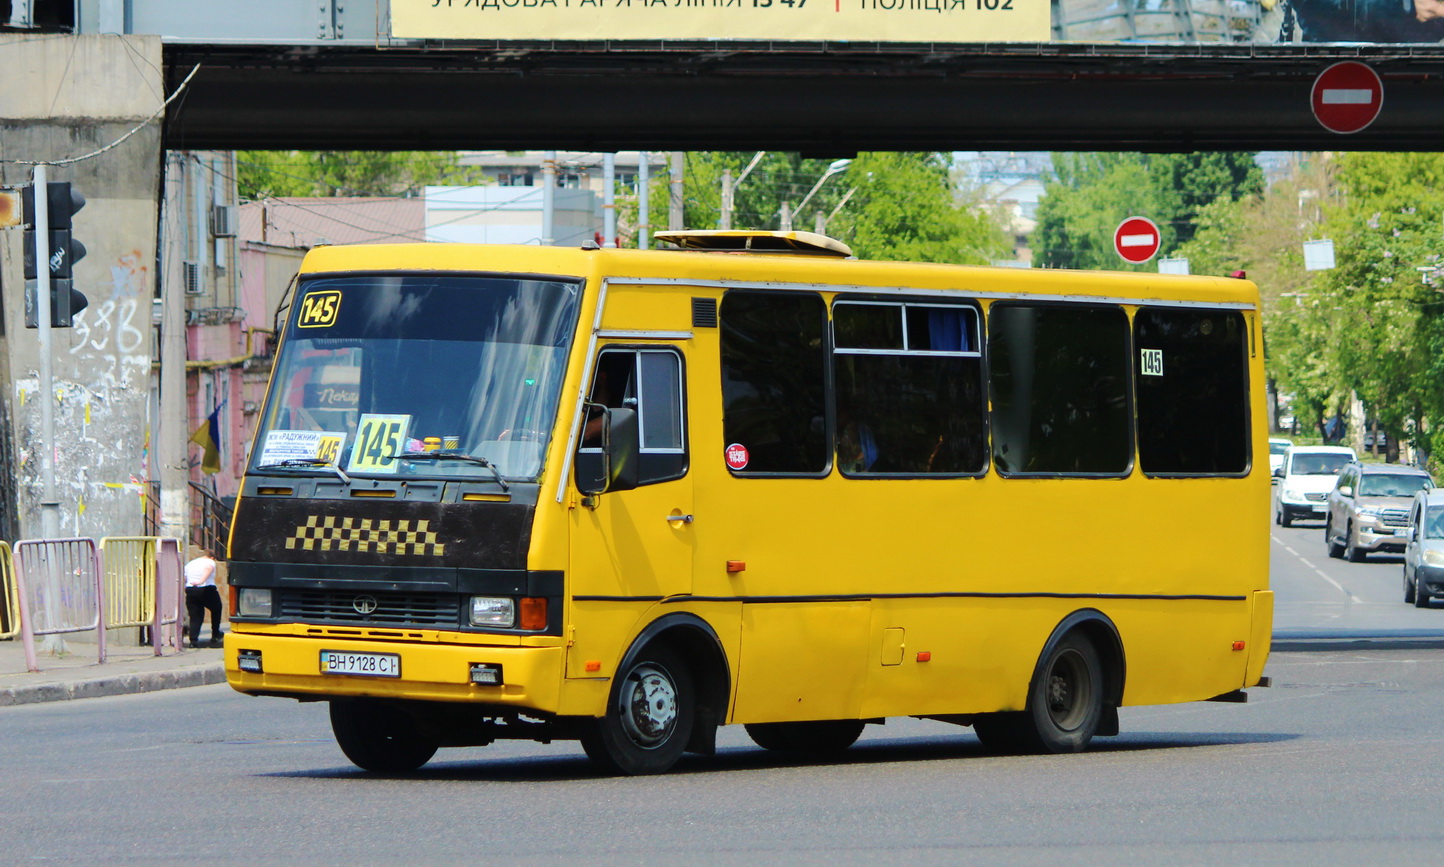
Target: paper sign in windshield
{"type": "Point", "coordinates": [302, 445]}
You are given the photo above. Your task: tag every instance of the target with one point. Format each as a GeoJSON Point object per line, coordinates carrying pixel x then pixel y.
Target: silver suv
{"type": "Point", "coordinates": [1424, 554]}
{"type": "Point", "coordinates": [1368, 509]}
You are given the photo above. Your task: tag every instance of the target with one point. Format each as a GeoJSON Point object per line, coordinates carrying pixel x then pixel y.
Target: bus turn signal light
{"type": "Point", "coordinates": [533, 612]}
{"type": "Point", "coordinates": [1238, 645]}
{"type": "Point", "coordinates": [593, 665]}
{"type": "Point", "coordinates": [925, 656]}
{"type": "Point", "coordinates": [736, 566]}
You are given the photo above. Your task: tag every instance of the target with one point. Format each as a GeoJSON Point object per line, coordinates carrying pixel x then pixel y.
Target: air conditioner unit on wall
{"type": "Point", "coordinates": [224, 221]}
{"type": "Point", "coordinates": [192, 278]}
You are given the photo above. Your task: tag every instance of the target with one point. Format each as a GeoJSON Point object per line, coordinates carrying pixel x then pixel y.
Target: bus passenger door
{"type": "Point", "coordinates": [634, 547]}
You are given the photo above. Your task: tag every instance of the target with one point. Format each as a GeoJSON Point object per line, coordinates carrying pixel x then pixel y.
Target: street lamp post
{"type": "Point", "coordinates": [836, 167]}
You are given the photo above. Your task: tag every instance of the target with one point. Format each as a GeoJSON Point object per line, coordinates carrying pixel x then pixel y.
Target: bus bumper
{"type": "Point", "coordinates": [290, 666]}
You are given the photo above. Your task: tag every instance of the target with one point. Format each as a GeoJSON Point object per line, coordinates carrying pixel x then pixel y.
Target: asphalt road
{"type": "Point", "coordinates": [1333, 765]}
{"type": "Point", "coordinates": [1319, 596]}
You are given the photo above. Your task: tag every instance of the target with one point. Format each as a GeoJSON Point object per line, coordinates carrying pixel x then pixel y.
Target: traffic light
{"type": "Point", "coordinates": [65, 300]}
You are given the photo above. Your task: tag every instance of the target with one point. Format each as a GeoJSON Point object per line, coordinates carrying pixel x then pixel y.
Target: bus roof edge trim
{"type": "Point", "coordinates": [750, 241]}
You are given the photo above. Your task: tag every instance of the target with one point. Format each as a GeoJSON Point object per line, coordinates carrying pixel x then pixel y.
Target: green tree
{"type": "Point", "coordinates": [903, 207]}
{"type": "Point", "coordinates": [1263, 235]}
{"type": "Point", "coordinates": [898, 206]}
{"type": "Point", "coordinates": [348, 173]}
{"type": "Point", "coordinates": [1092, 193]}
{"type": "Point", "coordinates": [1385, 231]}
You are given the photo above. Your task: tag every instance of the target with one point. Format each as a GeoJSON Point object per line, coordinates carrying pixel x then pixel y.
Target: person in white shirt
{"type": "Point", "coordinates": [202, 596]}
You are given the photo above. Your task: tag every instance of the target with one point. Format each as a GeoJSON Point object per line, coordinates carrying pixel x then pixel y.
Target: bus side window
{"type": "Point", "coordinates": [650, 382]}
{"type": "Point", "coordinates": [774, 381]}
{"type": "Point", "coordinates": [1059, 379]}
{"type": "Point", "coordinates": [908, 381]}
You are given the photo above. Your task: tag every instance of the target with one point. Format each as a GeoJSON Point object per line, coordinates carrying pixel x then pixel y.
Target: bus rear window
{"type": "Point", "coordinates": [1192, 392]}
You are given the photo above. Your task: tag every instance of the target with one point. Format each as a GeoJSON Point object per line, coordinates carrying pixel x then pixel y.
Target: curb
{"type": "Point", "coordinates": [1343, 641]}
{"type": "Point", "coordinates": [125, 684]}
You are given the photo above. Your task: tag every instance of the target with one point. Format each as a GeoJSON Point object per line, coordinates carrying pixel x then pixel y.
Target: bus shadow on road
{"type": "Point", "coordinates": [573, 766]}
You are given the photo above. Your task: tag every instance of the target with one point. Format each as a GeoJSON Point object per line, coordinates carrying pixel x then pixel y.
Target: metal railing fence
{"type": "Point", "coordinates": [61, 590]}
{"type": "Point", "coordinates": [128, 563]}
{"type": "Point", "coordinates": [9, 595]}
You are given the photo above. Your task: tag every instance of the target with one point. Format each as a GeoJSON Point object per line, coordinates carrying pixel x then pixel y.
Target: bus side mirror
{"type": "Point", "coordinates": [1346, 490]}
{"type": "Point", "coordinates": [622, 443]}
{"type": "Point", "coordinates": [613, 467]}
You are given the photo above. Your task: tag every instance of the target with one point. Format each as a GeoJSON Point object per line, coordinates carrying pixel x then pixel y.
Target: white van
{"type": "Point", "coordinates": [1305, 479]}
{"type": "Point", "coordinates": [1278, 446]}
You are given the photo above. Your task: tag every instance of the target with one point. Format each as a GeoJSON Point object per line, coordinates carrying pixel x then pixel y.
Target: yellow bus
{"type": "Point", "coordinates": [628, 497]}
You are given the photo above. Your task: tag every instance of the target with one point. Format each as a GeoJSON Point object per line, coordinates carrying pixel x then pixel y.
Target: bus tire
{"type": "Point", "coordinates": [380, 737]}
{"type": "Point", "coordinates": [649, 716]}
{"type": "Point", "coordinates": [1065, 704]}
{"type": "Point", "coordinates": [813, 738]}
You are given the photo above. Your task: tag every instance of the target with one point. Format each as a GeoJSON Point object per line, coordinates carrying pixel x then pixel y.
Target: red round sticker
{"type": "Point", "coordinates": [737, 456]}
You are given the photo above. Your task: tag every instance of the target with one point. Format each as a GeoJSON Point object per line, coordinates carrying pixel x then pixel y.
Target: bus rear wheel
{"type": "Point", "coordinates": [814, 738]}
{"type": "Point", "coordinates": [380, 737]}
{"type": "Point", "coordinates": [1065, 705]}
{"type": "Point", "coordinates": [648, 719]}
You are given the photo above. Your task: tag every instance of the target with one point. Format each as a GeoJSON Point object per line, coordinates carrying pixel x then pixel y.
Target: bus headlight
{"type": "Point", "coordinates": [254, 602]}
{"type": "Point", "coordinates": [493, 611]}
{"type": "Point", "coordinates": [1434, 557]}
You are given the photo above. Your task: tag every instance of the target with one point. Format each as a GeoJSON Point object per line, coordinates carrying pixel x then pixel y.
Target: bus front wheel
{"type": "Point", "coordinates": [815, 738]}
{"type": "Point", "coordinates": [1065, 705]}
{"type": "Point", "coordinates": [648, 719]}
{"type": "Point", "coordinates": [379, 737]}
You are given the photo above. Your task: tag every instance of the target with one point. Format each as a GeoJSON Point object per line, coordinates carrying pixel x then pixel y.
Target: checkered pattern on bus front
{"type": "Point", "coordinates": [332, 533]}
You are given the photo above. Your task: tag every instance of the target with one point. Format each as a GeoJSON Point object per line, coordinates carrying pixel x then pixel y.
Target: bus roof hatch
{"type": "Point", "coordinates": [751, 241]}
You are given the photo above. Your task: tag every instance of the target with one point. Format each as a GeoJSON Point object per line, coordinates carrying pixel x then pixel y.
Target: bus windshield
{"type": "Point", "coordinates": [419, 375]}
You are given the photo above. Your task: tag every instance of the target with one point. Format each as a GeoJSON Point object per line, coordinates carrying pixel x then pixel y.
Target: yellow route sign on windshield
{"type": "Point", "coordinates": [379, 439]}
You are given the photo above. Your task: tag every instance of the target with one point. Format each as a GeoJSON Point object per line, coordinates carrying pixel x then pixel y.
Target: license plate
{"type": "Point", "coordinates": [364, 664]}
{"type": "Point", "coordinates": [1401, 531]}
{"type": "Point", "coordinates": [1319, 510]}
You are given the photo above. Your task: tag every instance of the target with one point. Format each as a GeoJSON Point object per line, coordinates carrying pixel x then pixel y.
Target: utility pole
{"type": "Point", "coordinates": [726, 221]}
{"type": "Point", "coordinates": [549, 198]}
{"type": "Point", "coordinates": [49, 500]}
{"type": "Point", "coordinates": [644, 218]}
{"type": "Point", "coordinates": [729, 188]}
{"type": "Point", "coordinates": [609, 200]}
{"type": "Point", "coordinates": [674, 210]}
{"type": "Point", "coordinates": [170, 434]}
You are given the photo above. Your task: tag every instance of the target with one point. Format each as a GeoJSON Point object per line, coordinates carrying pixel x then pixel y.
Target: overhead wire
{"type": "Point", "coordinates": [142, 125]}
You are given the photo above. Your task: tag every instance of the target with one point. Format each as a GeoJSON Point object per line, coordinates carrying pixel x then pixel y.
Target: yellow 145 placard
{"type": "Point", "coordinates": [833, 20]}
{"type": "Point", "coordinates": [379, 439]}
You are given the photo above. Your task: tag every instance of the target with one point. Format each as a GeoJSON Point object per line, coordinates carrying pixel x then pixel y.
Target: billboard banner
{"type": "Point", "coordinates": [1249, 21]}
{"type": "Point", "coordinates": [926, 21]}
{"type": "Point", "coordinates": [808, 20]}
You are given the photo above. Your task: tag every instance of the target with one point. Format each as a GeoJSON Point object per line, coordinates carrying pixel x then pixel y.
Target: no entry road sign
{"type": "Point", "coordinates": [1347, 97]}
{"type": "Point", "coordinates": [1136, 239]}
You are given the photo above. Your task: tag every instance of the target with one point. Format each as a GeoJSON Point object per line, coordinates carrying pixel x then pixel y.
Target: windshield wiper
{"type": "Point", "coordinates": [456, 456]}
{"type": "Point", "coordinates": [315, 463]}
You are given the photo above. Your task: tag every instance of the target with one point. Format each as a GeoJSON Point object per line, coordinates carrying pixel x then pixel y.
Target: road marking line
{"type": "Point", "coordinates": [1317, 570]}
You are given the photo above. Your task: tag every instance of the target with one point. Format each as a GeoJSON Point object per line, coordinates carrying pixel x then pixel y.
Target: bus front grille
{"type": "Point", "coordinates": [350, 606]}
